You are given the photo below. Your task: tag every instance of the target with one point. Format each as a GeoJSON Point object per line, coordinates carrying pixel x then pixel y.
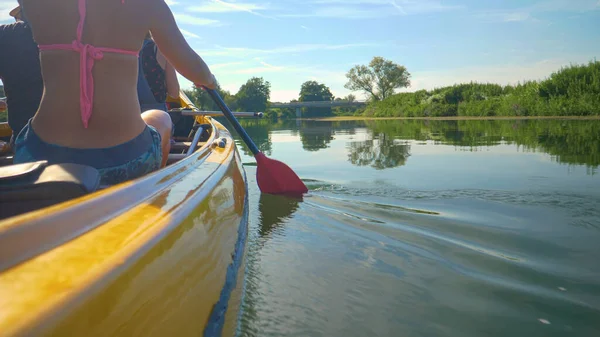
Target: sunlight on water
{"type": "Point", "coordinates": [421, 228]}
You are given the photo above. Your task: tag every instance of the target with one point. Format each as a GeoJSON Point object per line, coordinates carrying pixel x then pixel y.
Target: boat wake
{"type": "Point", "coordinates": [472, 261]}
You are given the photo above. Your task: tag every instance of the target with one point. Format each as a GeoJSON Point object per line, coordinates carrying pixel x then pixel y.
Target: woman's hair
{"type": "Point", "coordinates": [148, 36]}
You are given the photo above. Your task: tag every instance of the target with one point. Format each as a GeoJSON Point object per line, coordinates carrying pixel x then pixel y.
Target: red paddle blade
{"type": "Point", "coordinates": [275, 177]}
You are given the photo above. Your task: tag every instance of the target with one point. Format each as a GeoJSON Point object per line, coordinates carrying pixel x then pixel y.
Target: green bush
{"type": "Point", "coordinates": [571, 91]}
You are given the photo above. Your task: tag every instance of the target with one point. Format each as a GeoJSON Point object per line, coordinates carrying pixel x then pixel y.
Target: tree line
{"type": "Point", "coordinates": [254, 96]}
{"type": "Point", "coordinates": [572, 90]}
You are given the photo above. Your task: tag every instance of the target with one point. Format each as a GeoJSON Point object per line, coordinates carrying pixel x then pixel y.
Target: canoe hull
{"type": "Point", "coordinates": [169, 265]}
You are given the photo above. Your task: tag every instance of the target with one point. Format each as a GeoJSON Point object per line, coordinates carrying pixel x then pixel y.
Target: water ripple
{"type": "Point", "coordinates": [453, 258]}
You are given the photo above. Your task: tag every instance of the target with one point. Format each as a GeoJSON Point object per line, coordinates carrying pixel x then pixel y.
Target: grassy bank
{"type": "Point", "coordinates": [450, 118]}
{"type": "Point", "coordinates": [571, 91]}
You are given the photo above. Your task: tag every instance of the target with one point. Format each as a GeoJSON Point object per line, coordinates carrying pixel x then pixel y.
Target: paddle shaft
{"type": "Point", "coordinates": [231, 118]}
{"type": "Point", "coordinates": [220, 113]}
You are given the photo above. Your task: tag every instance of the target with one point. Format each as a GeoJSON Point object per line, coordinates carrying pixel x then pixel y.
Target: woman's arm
{"type": "Point", "coordinates": [173, 45]}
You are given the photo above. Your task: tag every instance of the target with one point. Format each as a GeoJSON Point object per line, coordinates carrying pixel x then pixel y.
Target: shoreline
{"type": "Point", "coordinates": [451, 118]}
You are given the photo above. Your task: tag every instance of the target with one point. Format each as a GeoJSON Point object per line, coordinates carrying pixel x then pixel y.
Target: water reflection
{"type": "Point", "coordinates": [315, 137]}
{"type": "Point", "coordinates": [380, 153]}
{"type": "Point", "coordinates": [274, 210]}
{"type": "Point", "coordinates": [260, 132]}
{"type": "Point", "coordinates": [567, 141]}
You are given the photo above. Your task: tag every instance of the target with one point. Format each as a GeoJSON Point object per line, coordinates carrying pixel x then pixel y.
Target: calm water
{"type": "Point", "coordinates": [427, 228]}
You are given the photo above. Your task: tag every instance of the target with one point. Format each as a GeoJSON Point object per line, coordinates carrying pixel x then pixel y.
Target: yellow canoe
{"type": "Point", "coordinates": [161, 255]}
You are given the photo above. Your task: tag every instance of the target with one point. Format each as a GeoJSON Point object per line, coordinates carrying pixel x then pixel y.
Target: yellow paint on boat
{"type": "Point", "coordinates": [144, 258]}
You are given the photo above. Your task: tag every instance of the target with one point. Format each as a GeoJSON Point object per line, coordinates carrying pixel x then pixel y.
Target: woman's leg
{"type": "Point", "coordinates": [161, 121]}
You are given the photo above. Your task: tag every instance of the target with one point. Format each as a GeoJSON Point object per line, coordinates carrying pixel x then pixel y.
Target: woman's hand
{"type": "Point", "coordinates": [212, 85]}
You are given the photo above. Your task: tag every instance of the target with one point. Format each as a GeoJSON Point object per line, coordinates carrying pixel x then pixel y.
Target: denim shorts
{"type": "Point", "coordinates": [116, 164]}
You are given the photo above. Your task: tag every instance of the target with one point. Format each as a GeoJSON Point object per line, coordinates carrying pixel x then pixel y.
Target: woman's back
{"type": "Point", "coordinates": [115, 113]}
{"type": "Point", "coordinates": [90, 112]}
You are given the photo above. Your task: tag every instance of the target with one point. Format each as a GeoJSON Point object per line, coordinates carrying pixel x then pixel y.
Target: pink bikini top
{"type": "Point", "coordinates": [88, 54]}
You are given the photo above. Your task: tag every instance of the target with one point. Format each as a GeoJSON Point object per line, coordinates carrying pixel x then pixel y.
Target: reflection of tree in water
{"type": "Point", "coordinates": [567, 141]}
{"type": "Point", "coordinates": [380, 153]}
{"type": "Point", "coordinates": [274, 211]}
{"type": "Point", "coordinates": [316, 135]}
{"type": "Point", "coordinates": [258, 129]}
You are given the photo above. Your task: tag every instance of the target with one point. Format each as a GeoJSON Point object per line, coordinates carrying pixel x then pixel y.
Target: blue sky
{"type": "Point", "coordinates": [441, 42]}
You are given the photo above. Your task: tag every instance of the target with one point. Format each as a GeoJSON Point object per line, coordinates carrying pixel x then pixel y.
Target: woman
{"type": "Point", "coordinates": [158, 80]}
{"type": "Point", "coordinates": [89, 113]}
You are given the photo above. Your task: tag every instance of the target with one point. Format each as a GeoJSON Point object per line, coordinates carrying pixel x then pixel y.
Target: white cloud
{"type": "Point", "coordinates": [269, 65]}
{"type": "Point", "coordinates": [196, 21]}
{"type": "Point", "coordinates": [565, 5]}
{"type": "Point", "coordinates": [242, 52]}
{"type": "Point", "coordinates": [398, 7]}
{"type": "Point", "coordinates": [518, 16]}
{"type": "Point", "coordinates": [219, 6]}
{"type": "Point", "coordinates": [364, 9]}
{"type": "Point", "coordinates": [171, 2]}
{"type": "Point", "coordinates": [223, 7]}
{"type": "Point", "coordinates": [224, 65]}
{"type": "Point", "coordinates": [255, 67]}
{"type": "Point", "coordinates": [189, 34]}
{"type": "Point", "coordinates": [257, 70]}
{"type": "Point", "coordinates": [528, 13]}
{"type": "Point", "coordinates": [503, 16]}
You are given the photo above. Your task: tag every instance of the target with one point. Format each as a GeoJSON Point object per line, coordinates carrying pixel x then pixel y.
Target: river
{"type": "Point", "coordinates": [426, 228]}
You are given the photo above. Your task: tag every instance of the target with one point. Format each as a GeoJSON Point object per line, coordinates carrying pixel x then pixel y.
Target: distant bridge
{"type": "Point", "coordinates": [315, 104]}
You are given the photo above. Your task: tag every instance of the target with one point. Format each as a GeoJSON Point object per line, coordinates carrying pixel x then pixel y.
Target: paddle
{"type": "Point", "coordinates": [272, 176]}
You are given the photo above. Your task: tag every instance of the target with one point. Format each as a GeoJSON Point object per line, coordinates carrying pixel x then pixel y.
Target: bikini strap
{"type": "Point", "coordinates": [88, 54]}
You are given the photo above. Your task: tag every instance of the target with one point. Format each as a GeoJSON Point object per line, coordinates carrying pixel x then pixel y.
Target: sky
{"type": "Point", "coordinates": [440, 42]}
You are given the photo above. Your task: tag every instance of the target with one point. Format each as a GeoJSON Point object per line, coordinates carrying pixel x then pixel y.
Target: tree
{"type": "Point", "coordinates": [259, 130]}
{"type": "Point", "coordinates": [254, 95]}
{"type": "Point", "coordinates": [379, 79]}
{"type": "Point", "coordinates": [312, 91]}
{"type": "Point", "coordinates": [204, 102]}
